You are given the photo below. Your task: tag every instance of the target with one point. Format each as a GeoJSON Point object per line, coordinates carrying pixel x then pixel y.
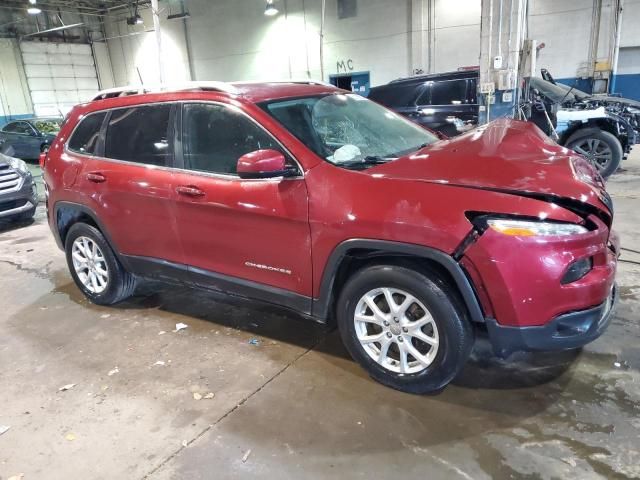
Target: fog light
{"type": "Point", "coordinates": [577, 270]}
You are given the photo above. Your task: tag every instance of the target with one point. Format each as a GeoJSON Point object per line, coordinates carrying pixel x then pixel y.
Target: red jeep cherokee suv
{"type": "Point", "coordinates": [318, 200]}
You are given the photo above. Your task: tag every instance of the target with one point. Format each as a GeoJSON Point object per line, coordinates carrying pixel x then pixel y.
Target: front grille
{"type": "Point", "coordinates": [9, 179]}
{"type": "Point", "coordinates": [11, 204]}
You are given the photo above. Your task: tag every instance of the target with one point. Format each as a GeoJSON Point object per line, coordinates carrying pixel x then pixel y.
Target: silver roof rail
{"type": "Point", "coordinates": [302, 81]}
{"type": "Point", "coordinates": [172, 87]}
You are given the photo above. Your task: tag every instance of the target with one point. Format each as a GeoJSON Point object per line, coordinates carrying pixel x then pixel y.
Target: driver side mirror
{"type": "Point", "coordinates": [263, 164]}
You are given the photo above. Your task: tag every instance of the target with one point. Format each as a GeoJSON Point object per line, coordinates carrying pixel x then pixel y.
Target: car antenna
{"type": "Point", "coordinates": [140, 77]}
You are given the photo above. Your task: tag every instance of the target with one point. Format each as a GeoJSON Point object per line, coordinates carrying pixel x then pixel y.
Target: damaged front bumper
{"type": "Point", "coordinates": [568, 331]}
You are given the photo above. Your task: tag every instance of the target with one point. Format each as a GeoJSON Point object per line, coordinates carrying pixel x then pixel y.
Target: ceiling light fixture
{"type": "Point", "coordinates": [33, 11]}
{"type": "Point", "coordinates": [136, 19]}
{"type": "Point", "coordinates": [176, 16]}
{"type": "Point", "coordinates": [270, 10]}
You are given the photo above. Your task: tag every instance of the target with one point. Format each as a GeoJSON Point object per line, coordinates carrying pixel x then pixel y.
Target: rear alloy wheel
{"type": "Point", "coordinates": [90, 265]}
{"type": "Point", "coordinates": [95, 268]}
{"type": "Point", "coordinates": [406, 328]}
{"type": "Point", "coordinates": [601, 148]}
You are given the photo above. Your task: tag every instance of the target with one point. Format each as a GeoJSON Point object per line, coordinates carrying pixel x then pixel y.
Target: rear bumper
{"type": "Point", "coordinates": [568, 331]}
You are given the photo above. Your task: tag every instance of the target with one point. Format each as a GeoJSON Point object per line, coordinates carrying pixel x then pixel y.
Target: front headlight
{"type": "Point", "coordinates": [526, 228]}
{"type": "Point", "coordinates": [18, 164]}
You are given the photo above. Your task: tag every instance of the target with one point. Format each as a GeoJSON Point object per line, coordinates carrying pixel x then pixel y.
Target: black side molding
{"type": "Point", "coordinates": [321, 305]}
{"type": "Point", "coordinates": [164, 270]}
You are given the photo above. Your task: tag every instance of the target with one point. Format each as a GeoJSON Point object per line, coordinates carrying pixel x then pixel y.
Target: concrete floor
{"type": "Point", "coordinates": [292, 405]}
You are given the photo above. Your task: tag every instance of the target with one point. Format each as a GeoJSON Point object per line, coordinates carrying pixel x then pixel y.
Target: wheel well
{"type": "Point", "coordinates": [66, 216]}
{"type": "Point", "coordinates": [358, 259]}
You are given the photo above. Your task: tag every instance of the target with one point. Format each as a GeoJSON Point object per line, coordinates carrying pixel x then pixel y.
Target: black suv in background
{"type": "Point", "coordinates": [445, 102]}
{"type": "Point", "coordinates": [595, 127]}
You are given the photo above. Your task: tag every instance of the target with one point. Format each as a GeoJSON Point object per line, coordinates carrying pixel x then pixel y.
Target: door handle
{"type": "Point", "coordinates": [96, 177]}
{"type": "Point", "coordinates": [190, 191]}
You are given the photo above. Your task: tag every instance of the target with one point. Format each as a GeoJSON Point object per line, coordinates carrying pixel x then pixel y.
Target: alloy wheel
{"type": "Point", "coordinates": [596, 151]}
{"type": "Point", "coordinates": [90, 265]}
{"type": "Point", "coordinates": [396, 330]}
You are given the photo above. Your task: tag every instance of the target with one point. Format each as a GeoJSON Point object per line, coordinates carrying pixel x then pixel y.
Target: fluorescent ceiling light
{"type": "Point", "coordinates": [32, 2]}
{"type": "Point", "coordinates": [55, 29]}
{"type": "Point", "coordinates": [33, 11]}
{"type": "Point", "coordinates": [176, 16]}
{"type": "Point", "coordinates": [270, 9]}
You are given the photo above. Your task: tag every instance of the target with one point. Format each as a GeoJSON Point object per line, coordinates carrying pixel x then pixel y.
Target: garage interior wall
{"type": "Point", "coordinates": [15, 101]}
{"type": "Point", "coordinates": [387, 38]}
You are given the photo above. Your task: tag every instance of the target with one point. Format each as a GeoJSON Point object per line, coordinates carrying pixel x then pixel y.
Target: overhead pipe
{"type": "Point", "coordinates": [156, 27]}
{"type": "Point", "coordinates": [323, 9]}
{"type": "Point", "coordinates": [616, 47]}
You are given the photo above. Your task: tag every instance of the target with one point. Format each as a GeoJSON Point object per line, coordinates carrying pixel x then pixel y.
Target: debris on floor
{"type": "Point", "coordinates": [246, 456]}
{"type": "Point", "coordinates": [209, 396]}
{"type": "Point", "coordinates": [113, 372]}
{"type": "Point", "coordinates": [106, 315]}
{"type": "Point", "coordinates": [254, 341]}
{"type": "Point", "coordinates": [160, 363]}
{"type": "Point", "coordinates": [66, 387]}
{"type": "Point", "coordinates": [185, 443]}
{"type": "Point", "coordinates": [161, 332]}
{"type": "Point", "coordinates": [180, 326]}
{"type": "Point", "coordinates": [197, 396]}
{"type": "Point", "coordinates": [70, 437]}
{"type": "Point", "coordinates": [20, 476]}
{"type": "Point", "coordinates": [4, 429]}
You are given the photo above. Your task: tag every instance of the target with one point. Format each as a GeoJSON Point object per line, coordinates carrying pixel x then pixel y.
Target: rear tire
{"type": "Point", "coordinates": [95, 268]}
{"type": "Point", "coordinates": [601, 148]}
{"type": "Point", "coordinates": [432, 330]}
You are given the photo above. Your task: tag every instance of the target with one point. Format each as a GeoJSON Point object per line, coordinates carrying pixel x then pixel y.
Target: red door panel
{"type": "Point", "coordinates": [255, 230]}
{"type": "Point", "coordinates": [136, 205]}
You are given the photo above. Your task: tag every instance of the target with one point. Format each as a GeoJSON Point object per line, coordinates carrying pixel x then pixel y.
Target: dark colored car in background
{"type": "Point", "coordinates": [598, 128]}
{"type": "Point", "coordinates": [318, 200]}
{"type": "Point", "coordinates": [18, 194]}
{"type": "Point", "coordinates": [445, 102]}
{"type": "Point", "coordinates": [30, 137]}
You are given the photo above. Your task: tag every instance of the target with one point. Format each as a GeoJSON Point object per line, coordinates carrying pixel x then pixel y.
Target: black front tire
{"type": "Point", "coordinates": [441, 300]}
{"type": "Point", "coordinates": [579, 140]}
{"type": "Point", "coordinates": [120, 285]}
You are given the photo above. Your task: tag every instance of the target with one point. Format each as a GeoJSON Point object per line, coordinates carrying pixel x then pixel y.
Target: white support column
{"type": "Point", "coordinates": [502, 38]}
{"type": "Point", "coordinates": [158, 32]}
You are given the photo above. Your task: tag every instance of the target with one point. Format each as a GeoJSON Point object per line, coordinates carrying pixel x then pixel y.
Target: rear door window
{"type": "Point", "coordinates": [449, 92]}
{"type": "Point", "coordinates": [140, 135]}
{"type": "Point", "coordinates": [85, 137]}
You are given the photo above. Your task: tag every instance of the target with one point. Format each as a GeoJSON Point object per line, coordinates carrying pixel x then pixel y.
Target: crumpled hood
{"type": "Point", "coordinates": [506, 155]}
{"type": "Point", "coordinates": [623, 101]}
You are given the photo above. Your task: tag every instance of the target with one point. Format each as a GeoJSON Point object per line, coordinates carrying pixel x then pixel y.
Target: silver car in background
{"type": "Point", "coordinates": [18, 193]}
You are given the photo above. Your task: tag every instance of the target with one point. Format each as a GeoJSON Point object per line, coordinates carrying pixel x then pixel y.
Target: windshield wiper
{"type": "Point", "coordinates": [366, 161]}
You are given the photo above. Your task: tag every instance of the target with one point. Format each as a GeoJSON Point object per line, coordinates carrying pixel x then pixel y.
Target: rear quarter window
{"type": "Point", "coordinates": [140, 135]}
{"type": "Point", "coordinates": [85, 137]}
